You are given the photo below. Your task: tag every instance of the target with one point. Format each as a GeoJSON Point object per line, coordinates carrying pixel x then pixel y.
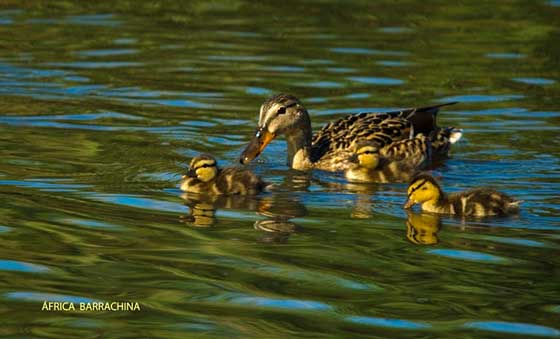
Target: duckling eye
{"type": "Point", "coordinates": [424, 188]}
{"type": "Point", "coordinates": [281, 110]}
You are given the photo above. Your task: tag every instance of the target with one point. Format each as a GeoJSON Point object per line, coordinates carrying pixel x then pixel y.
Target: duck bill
{"type": "Point", "coordinates": [262, 138]}
{"type": "Point", "coordinates": [190, 174]}
{"type": "Point", "coordinates": [408, 204]}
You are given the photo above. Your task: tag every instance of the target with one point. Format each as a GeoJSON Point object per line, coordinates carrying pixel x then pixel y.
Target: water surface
{"type": "Point", "coordinates": [103, 105]}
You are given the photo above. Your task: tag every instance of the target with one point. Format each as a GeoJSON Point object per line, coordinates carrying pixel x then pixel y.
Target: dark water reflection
{"type": "Point", "coordinates": [103, 104]}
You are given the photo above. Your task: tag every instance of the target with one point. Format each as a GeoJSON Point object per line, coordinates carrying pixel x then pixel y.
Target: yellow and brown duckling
{"type": "Point", "coordinates": [426, 191]}
{"type": "Point", "coordinates": [331, 147]}
{"type": "Point", "coordinates": [205, 177]}
{"type": "Point", "coordinates": [396, 162]}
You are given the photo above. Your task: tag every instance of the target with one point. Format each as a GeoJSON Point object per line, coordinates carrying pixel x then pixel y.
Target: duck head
{"type": "Point", "coordinates": [203, 168]}
{"type": "Point", "coordinates": [366, 156]}
{"type": "Point", "coordinates": [280, 114]}
{"type": "Point", "coordinates": [423, 188]}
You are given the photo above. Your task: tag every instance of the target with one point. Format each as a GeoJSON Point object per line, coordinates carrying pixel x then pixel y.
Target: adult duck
{"type": "Point", "coordinates": [332, 147]}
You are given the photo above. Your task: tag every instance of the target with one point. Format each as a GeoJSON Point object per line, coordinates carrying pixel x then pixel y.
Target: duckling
{"type": "Point", "coordinates": [396, 162]}
{"type": "Point", "coordinates": [205, 177]}
{"type": "Point", "coordinates": [332, 146]}
{"type": "Point", "coordinates": [480, 202]}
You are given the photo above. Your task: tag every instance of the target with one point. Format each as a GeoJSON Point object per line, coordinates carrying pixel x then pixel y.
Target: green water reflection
{"type": "Point", "coordinates": [104, 103]}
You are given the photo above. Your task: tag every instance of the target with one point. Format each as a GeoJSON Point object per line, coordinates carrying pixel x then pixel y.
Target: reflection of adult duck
{"type": "Point", "coordinates": [422, 229]}
{"type": "Point", "coordinates": [278, 209]}
{"type": "Point", "coordinates": [331, 148]}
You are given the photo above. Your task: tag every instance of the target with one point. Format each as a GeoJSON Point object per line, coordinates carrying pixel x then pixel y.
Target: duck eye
{"type": "Point", "coordinates": [424, 188]}
{"type": "Point", "coordinates": [281, 110]}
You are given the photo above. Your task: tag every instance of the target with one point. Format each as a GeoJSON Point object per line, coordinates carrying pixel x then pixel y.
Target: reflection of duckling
{"type": "Point", "coordinates": [201, 215]}
{"type": "Point", "coordinates": [204, 176]}
{"type": "Point", "coordinates": [396, 162]}
{"type": "Point", "coordinates": [425, 190]}
{"type": "Point", "coordinates": [422, 229]}
{"type": "Point", "coordinates": [202, 208]}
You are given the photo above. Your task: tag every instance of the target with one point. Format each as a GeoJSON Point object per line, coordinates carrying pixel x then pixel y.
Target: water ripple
{"type": "Point", "coordinates": [506, 55]}
{"type": "Point", "coordinates": [95, 64]}
{"type": "Point", "coordinates": [387, 322]}
{"type": "Point", "coordinates": [514, 328]}
{"type": "Point", "coordinates": [377, 80]}
{"type": "Point", "coordinates": [138, 202]}
{"type": "Point", "coordinates": [482, 98]}
{"type": "Point", "coordinates": [20, 266]}
{"type": "Point", "coordinates": [107, 52]}
{"type": "Point", "coordinates": [292, 304]}
{"type": "Point", "coordinates": [468, 255]}
{"type": "Point", "coordinates": [535, 81]}
{"type": "Point", "coordinates": [44, 186]}
{"type": "Point", "coordinates": [366, 51]}
{"type": "Point", "coordinates": [40, 297]}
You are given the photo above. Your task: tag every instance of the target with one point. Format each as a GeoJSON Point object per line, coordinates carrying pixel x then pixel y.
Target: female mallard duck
{"type": "Point", "coordinates": [396, 162]}
{"type": "Point", "coordinates": [331, 148]}
{"type": "Point", "coordinates": [480, 202]}
{"type": "Point", "coordinates": [204, 176]}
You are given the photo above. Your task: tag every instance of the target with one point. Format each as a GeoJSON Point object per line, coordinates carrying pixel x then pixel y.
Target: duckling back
{"type": "Point", "coordinates": [234, 180]}
{"type": "Point", "coordinates": [483, 202]}
{"type": "Point", "coordinates": [205, 177]}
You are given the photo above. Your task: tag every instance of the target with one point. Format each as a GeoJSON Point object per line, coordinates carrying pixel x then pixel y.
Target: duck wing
{"type": "Point", "coordinates": [342, 135]}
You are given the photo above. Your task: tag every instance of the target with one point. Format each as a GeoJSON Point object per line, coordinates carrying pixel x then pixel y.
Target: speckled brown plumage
{"type": "Point", "coordinates": [475, 202]}
{"type": "Point", "coordinates": [227, 181]}
{"type": "Point", "coordinates": [332, 146]}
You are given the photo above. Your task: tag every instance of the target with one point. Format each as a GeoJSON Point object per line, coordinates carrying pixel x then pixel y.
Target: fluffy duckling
{"type": "Point", "coordinates": [480, 202]}
{"type": "Point", "coordinates": [396, 162]}
{"type": "Point", "coordinates": [205, 177]}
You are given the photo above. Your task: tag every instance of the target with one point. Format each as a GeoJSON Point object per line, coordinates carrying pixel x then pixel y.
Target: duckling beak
{"type": "Point", "coordinates": [408, 204]}
{"type": "Point", "coordinates": [190, 173]}
{"type": "Point", "coordinates": [262, 138]}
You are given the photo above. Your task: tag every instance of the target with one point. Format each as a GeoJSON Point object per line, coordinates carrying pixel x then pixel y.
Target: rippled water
{"type": "Point", "coordinates": [103, 104]}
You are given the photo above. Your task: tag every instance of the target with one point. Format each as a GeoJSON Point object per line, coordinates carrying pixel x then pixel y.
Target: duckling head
{"type": "Point", "coordinates": [203, 167]}
{"type": "Point", "coordinates": [423, 188]}
{"type": "Point", "coordinates": [280, 114]}
{"type": "Point", "coordinates": [367, 156]}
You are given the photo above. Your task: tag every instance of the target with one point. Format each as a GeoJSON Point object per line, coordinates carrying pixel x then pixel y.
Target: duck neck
{"type": "Point", "coordinates": [299, 147]}
{"type": "Point", "coordinates": [440, 204]}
